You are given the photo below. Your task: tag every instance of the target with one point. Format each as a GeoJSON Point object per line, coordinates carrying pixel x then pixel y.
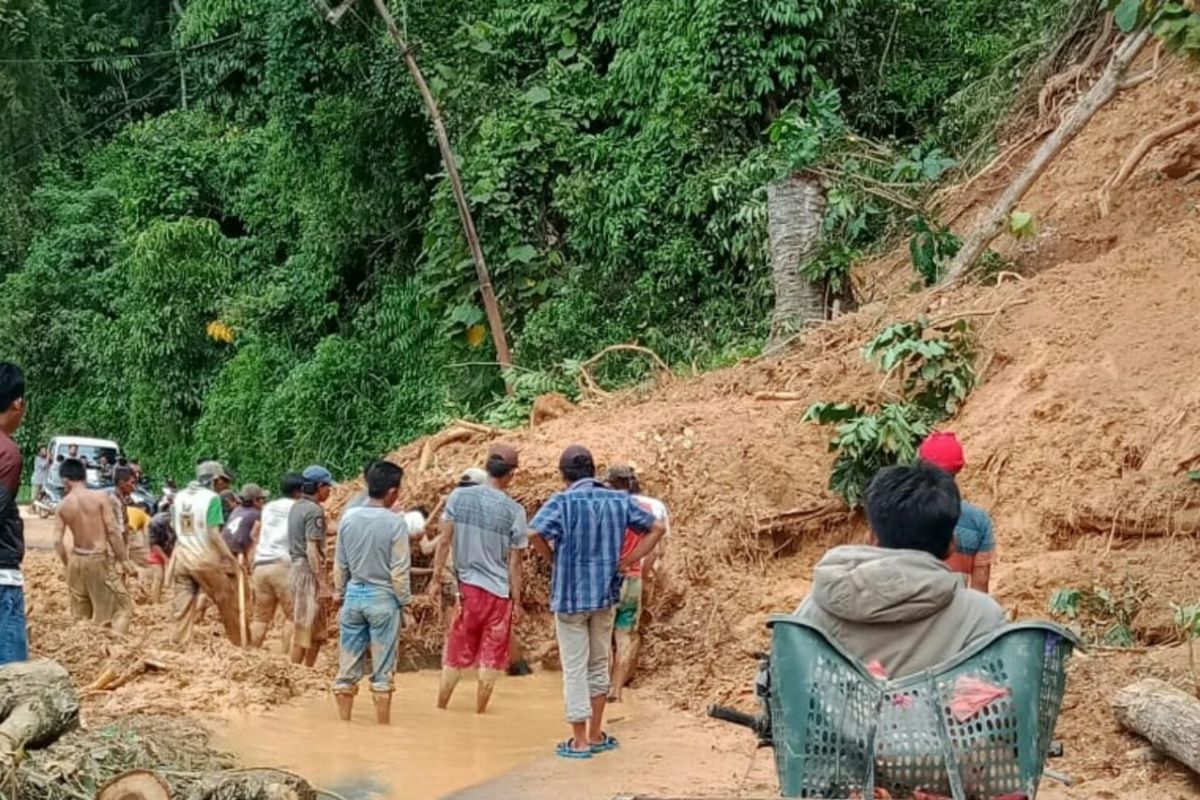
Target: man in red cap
{"type": "Point", "coordinates": [974, 539]}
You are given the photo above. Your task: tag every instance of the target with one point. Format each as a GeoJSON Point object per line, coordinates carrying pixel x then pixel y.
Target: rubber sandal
{"type": "Point", "coordinates": [605, 744]}
{"type": "Point", "coordinates": [564, 750]}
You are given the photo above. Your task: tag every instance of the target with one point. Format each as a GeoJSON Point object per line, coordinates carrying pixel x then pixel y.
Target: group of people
{"type": "Point", "coordinates": [912, 597]}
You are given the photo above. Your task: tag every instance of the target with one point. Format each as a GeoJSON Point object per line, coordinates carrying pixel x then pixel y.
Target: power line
{"type": "Point", "coordinates": [114, 57]}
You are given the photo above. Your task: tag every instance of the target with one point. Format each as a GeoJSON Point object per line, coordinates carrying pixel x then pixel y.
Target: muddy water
{"type": "Point", "coordinates": [425, 754]}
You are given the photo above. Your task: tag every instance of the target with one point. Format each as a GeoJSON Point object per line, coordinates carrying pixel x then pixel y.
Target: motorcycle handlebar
{"type": "Point", "coordinates": [734, 716]}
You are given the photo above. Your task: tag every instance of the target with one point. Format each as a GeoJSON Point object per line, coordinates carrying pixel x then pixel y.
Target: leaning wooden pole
{"type": "Point", "coordinates": [495, 321]}
{"type": "Point", "coordinates": [1105, 89]}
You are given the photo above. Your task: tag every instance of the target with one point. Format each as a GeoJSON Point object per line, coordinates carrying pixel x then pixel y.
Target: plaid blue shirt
{"type": "Point", "coordinates": [586, 525]}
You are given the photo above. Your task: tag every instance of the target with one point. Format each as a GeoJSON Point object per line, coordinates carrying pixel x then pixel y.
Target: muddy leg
{"type": "Point", "coordinates": [487, 683]}
{"type": "Point", "coordinates": [383, 707]}
{"type": "Point", "coordinates": [345, 705]}
{"type": "Point", "coordinates": [450, 678]}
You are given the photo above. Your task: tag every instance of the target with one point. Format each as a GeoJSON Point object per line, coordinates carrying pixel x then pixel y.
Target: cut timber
{"type": "Point", "coordinates": [786, 397]}
{"type": "Point", "coordinates": [140, 784]}
{"type": "Point", "coordinates": [994, 223]}
{"type": "Point", "coordinates": [37, 705]}
{"type": "Point", "coordinates": [1166, 717]}
{"type": "Point", "coordinates": [253, 784]}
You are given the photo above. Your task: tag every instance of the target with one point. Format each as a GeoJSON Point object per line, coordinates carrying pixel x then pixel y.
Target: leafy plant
{"type": "Point", "coordinates": [527, 386]}
{"type": "Point", "coordinates": [1101, 614]}
{"type": "Point", "coordinates": [934, 366]}
{"type": "Point", "coordinates": [867, 442]}
{"type": "Point", "coordinates": [1021, 224]}
{"type": "Point", "coordinates": [921, 164]}
{"type": "Point", "coordinates": [930, 248]}
{"type": "Point", "coordinates": [936, 374]}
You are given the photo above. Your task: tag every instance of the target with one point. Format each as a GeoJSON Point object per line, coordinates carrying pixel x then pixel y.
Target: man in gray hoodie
{"type": "Point", "coordinates": [896, 601]}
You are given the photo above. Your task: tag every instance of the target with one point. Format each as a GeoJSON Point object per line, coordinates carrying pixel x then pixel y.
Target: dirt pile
{"type": "Point", "coordinates": [1078, 438]}
{"type": "Point", "coordinates": [212, 677]}
{"type": "Point", "coordinates": [1078, 441]}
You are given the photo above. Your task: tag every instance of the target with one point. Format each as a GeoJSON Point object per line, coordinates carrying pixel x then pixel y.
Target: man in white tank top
{"type": "Point", "coordinates": [201, 556]}
{"type": "Point", "coordinates": [272, 564]}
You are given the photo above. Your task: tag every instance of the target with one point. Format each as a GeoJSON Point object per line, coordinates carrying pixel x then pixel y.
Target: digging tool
{"type": "Point", "coordinates": [241, 578]}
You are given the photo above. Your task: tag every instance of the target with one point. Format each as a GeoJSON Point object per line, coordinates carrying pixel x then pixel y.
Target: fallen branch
{"type": "Point", "coordinates": [950, 319]}
{"type": "Point", "coordinates": [1135, 158]}
{"type": "Point", "coordinates": [995, 221]}
{"type": "Point", "coordinates": [487, 430]}
{"type": "Point", "coordinates": [438, 441]}
{"type": "Point", "coordinates": [588, 384]}
{"type": "Point", "coordinates": [1165, 716]}
{"type": "Point", "coordinates": [787, 397]}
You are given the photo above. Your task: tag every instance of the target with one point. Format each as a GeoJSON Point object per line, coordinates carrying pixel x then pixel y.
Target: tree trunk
{"type": "Point", "coordinates": [795, 211]}
{"type": "Point", "coordinates": [1101, 92]}
{"type": "Point", "coordinates": [495, 322]}
{"type": "Point", "coordinates": [37, 705]}
{"type": "Point", "coordinates": [1166, 717]}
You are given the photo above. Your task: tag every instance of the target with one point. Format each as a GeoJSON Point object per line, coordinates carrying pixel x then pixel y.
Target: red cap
{"type": "Point", "coordinates": [944, 451]}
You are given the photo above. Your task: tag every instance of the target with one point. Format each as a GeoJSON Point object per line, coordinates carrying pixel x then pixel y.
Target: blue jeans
{"type": "Point", "coordinates": [370, 617]}
{"type": "Point", "coordinates": [14, 645]}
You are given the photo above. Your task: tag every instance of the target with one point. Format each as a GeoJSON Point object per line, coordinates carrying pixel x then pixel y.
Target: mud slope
{"type": "Point", "coordinates": [1090, 404]}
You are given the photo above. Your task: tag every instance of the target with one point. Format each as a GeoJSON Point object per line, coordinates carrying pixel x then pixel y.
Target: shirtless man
{"type": "Point", "coordinates": [94, 579]}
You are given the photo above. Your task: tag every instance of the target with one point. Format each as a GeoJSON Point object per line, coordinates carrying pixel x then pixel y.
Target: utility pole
{"type": "Point", "coordinates": [491, 307]}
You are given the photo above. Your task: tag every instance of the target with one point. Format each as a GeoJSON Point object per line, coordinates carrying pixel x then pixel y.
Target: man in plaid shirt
{"type": "Point", "coordinates": [580, 531]}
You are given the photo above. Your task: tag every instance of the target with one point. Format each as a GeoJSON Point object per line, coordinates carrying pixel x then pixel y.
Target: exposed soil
{"type": "Point", "coordinates": [1078, 440]}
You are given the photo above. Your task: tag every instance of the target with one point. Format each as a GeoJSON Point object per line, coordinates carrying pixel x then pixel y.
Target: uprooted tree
{"type": "Point", "coordinates": [1178, 25]}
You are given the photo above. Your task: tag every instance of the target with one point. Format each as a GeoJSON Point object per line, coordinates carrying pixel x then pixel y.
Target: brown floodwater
{"type": "Point", "coordinates": [424, 754]}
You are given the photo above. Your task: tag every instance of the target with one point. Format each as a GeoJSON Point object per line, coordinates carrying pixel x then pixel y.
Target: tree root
{"type": "Point", "coordinates": [588, 386]}
{"type": "Point", "coordinates": [1135, 158]}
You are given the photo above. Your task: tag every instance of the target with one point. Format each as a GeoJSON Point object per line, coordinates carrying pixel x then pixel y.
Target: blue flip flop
{"type": "Point", "coordinates": [605, 744]}
{"type": "Point", "coordinates": [564, 750]}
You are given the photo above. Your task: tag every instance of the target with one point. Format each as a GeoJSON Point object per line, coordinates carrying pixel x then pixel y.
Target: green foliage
{"type": "Point", "coordinates": [936, 375]}
{"type": "Point", "coordinates": [930, 248]}
{"type": "Point", "coordinates": [933, 364]}
{"type": "Point", "coordinates": [1021, 224]}
{"type": "Point", "coordinates": [1101, 614]}
{"type": "Point", "coordinates": [615, 154]}
{"type": "Point", "coordinates": [527, 386]}
{"type": "Point", "coordinates": [1178, 25]}
{"type": "Point", "coordinates": [867, 442]}
{"type": "Point", "coordinates": [1194, 474]}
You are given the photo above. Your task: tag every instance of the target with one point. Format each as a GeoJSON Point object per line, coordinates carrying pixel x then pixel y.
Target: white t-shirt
{"type": "Point", "coordinates": [273, 535]}
{"type": "Point", "coordinates": [655, 507]}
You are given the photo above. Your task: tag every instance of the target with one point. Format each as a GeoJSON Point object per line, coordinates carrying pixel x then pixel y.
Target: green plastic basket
{"type": "Point", "coordinates": [838, 731]}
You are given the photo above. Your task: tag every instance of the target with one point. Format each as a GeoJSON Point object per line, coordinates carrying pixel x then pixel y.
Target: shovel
{"type": "Point", "coordinates": [241, 578]}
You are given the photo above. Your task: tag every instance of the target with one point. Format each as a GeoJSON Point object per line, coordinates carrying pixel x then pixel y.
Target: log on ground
{"type": "Point", "coordinates": [253, 784]}
{"type": "Point", "coordinates": [37, 705]}
{"type": "Point", "coordinates": [1165, 716]}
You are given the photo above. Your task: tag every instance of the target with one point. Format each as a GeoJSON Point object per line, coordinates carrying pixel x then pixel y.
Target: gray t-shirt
{"type": "Point", "coordinates": [372, 544]}
{"type": "Point", "coordinates": [487, 524]}
{"type": "Point", "coordinates": [306, 523]}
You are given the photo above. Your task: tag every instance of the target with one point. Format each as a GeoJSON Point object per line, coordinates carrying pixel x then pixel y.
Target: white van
{"type": "Point", "coordinates": [88, 449]}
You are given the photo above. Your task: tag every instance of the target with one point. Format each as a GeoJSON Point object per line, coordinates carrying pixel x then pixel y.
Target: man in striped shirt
{"type": "Point", "coordinates": [581, 531]}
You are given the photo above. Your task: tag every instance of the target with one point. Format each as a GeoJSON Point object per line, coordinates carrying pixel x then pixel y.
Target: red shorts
{"type": "Point", "coordinates": [479, 633]}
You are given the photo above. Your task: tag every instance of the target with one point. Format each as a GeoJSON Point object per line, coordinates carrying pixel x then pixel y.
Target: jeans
{"type": "Point", "coordinates": [370, 617]}
{"type": "Point", "coordinates": [584, 648]}
{"type": "Point", "coordinates": [14, 645]}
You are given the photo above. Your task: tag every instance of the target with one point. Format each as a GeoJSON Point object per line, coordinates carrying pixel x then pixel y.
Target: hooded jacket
{"type": "Point", "coordinates": [904, 608]}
